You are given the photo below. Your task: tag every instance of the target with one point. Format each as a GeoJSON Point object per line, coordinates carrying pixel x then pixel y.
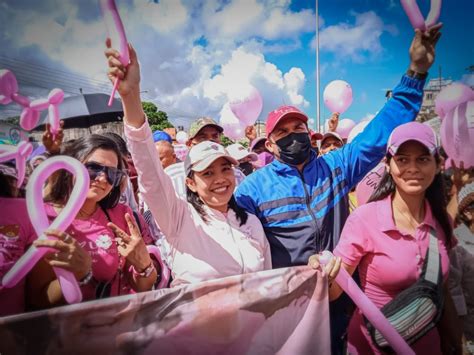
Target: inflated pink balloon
{"type": "Point", "coordinates": [8, 86]}
{"type": "Point", "coordinates": [338, 96]}
{"type": "Point", "coordinates": [248, 106]}
{"type": "Point", "coordinates": [451, 96]}
{"type": "Point", "coordinates": [369, 184]}
{"type": "Point", "coordinates": [181, 137]}
{"type": "Point", "coordinates": [39, 220]}
{"type": "Point", "coordinates": [358, 128]}
{"type": "Point", "coordinates": [164, 270]}
{"type": "Point", "coordinates": [457, 134]}
{"type": "Point", "coordinates": [20, 153]}
{"type": "Point", "coordinates": [344, 127]}
{"type": "Point", "coordinates": [116, 33]}
{"type": "Point", "coordinates": [30, 115]}
{"type": "Point", "coordinates": [416, 18]}
{"type": "Point", "coordinates": [368, 308]}
{"type": "Point", "coordinates": [233, 128]}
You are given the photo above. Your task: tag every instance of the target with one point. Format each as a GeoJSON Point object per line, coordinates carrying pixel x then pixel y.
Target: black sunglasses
{"type": "Point", "coordinates": [113, 175]}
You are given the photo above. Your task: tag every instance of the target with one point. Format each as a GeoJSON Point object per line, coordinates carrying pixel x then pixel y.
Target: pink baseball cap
{"type": "Point", "coordinates": [283, 112]}
{"type": "Point", "coordinates": [412, 131]}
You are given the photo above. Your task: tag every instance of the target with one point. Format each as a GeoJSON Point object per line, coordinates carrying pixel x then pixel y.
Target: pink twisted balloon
{"type": "Point", "coordinates": [31, 110]}
{"type": "Point", "coordinates": [416, 18]}
{"type": "Point", "coordinates": [116, 33]}
{"type": "Point", "coordinates": [39, 220]}
{"type": "Point", "coordinates": [370, 311]}
{"type": "Point", "coordinates": [20, 153]}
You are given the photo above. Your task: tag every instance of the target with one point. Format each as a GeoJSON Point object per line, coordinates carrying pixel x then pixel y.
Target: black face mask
{"type": "Point", "coordinates": [294, 148]}
{"type": "Point", "coordinates": [246, 168]}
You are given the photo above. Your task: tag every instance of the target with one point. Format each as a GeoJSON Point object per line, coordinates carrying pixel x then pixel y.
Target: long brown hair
{"type": "Point", "coordinates": [61, 183]}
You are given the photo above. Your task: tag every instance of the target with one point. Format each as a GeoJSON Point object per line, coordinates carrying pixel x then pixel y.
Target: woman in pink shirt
{"type": "Point", "coordinates": [104, 264]}
{"type": "Point", "coordinates": [387, 238]}
{"type": "Point", "coordinates": [209, 235]}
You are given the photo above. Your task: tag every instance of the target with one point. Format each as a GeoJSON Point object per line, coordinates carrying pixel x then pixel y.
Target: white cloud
{"type": "Point", "coordinates": [356, 41]}
{"type": "Point", "coordinates": [191, 54]}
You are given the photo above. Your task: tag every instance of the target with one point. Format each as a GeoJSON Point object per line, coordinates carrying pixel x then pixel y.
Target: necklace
{"type": "Point", "coordinates": [85, 214]}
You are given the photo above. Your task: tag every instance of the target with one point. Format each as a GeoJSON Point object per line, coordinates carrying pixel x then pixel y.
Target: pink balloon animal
{"type": "Point", "coordinates": [370, 310]}
{"type": "Point", "coordinates": [116, 33]}
{"type": "Point", "coordinates": [39, 220]}
{"type": "Point", "coordinates": [416, 18]}
{"type": "Point", "coordinates": [20, 153]}
{"type": "Point", "coordinates": [451, 96]}
{"type": "Point", "coordinates": [31, 110]}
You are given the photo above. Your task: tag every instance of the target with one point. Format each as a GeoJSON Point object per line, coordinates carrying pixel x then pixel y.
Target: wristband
{"type": "Point", "coordinates": [86, 279]}
{"type": "Point", "coordinates": [145, 273]}
{"type": "Point", "coordinates": [416, 75]}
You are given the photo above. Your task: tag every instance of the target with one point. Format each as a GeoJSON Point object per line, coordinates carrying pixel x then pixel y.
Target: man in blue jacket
{"type": "Point", "coordinates": [299, 198]}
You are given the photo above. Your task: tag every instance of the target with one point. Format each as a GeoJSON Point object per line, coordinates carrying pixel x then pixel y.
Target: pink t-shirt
{"type": "Point", "coordinates": [99, 240]}
{"type": "Point", "coordinates": [16, 233]}
{"type": "Point", "coordinates": [389, 261]}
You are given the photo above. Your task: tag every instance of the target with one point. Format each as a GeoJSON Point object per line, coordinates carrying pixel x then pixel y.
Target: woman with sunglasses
{"type": "Point", "coordinates": [209, 236]}
{"type": "Point", "coordinates": [104, 264]}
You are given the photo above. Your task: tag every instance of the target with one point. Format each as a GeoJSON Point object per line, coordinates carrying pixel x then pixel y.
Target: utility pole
{"type": "Point", "coordinates": [318, 123]}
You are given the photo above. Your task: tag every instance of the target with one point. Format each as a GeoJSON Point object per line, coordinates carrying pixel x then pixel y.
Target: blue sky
{"type": "Point", "coordinates": [194, 54]}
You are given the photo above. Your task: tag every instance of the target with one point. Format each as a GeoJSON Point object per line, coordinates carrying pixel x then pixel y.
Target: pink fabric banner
{"type": "Point", "coordinates": [283, 311]}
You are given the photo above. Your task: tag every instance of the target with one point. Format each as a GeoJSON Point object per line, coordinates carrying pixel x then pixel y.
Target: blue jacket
{"type": "Point", "coordinates": [303, 213]}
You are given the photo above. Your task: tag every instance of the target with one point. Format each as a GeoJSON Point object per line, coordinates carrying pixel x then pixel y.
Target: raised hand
{"type": "Point", "coordinates": [69, 254]}
{"type": "Point", "coordinates": [129, 76]}
{"type": "Point", "coordinates": [131, 247]}
{"type": "Point", "coordinates": [333, 122]}
{"type": "Point", "coordinates": [51, 142]}
{"type": "Point", "coordinates": [422, 49]}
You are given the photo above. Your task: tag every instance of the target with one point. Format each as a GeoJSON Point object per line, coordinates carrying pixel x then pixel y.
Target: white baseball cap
{"type": "Point", "coordinates": [204, 154]}
{"type": "Point", "coordinates": [238, 152]}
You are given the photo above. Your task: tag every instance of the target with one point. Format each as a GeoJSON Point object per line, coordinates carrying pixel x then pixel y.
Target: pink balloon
{"type": "Point", "coordinates": [416, 18]}
{"type": "Point", "coordinates": [29, 119]}
{"type": "Point", "coordinates": [369, 184]}
{"type": "Point", "coordinates": [165, 271]}
{"type": "Point", "coordinates": [368, 308]}
{"type": "Point", "coordinates": [344, 127]}
{"type": "Point", "coordinates": [39, 220]}
{"type": "Point", "coordinates": [20, 153]}
{"type": "Point", "coordinates": [457, 134]}
{"type": "Point", "coordinates": [116, 33]}
{"type": "Point", "coordinates": [248, 107]}
{"type": "Point", "coordinates": [39, 105]}
{"type": "Point", "coordinates": [233, 128]}
{"type": "Point", "coordinates": [56, 96]}
{"type": "Point", "coordinates": [8, 86]}
{"type": "Point", "coordinates": [358, 128]}
{"type": "Point", "coordinates": [451, 96]}
{"type": "Point", "coordinates": [338, 96]}
{"type": "Point", "coordinates": [181, 137]}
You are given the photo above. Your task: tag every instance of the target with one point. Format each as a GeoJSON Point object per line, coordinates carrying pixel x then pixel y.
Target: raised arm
{"type": "Point", "coordinates": [368, 148]}
{"type": "Point", "coordinates": [155, 186]}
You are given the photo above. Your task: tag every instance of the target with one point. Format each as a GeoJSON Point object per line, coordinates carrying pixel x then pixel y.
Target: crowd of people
{"type": "Point", "coordinates": [228, 211]}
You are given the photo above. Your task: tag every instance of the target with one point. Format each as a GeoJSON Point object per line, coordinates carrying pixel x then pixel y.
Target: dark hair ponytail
{"type": "Point", "coordinates": [434, 194]}
{"type": "Point", "coordinates": [194, 199]}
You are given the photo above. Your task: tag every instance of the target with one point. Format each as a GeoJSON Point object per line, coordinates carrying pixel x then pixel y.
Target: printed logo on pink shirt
{"type": "Point", "coordinates": [103, 241]}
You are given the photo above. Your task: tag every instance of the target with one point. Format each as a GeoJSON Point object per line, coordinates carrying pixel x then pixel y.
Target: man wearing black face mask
{"type": "Point", "coordinates": [300, 198]}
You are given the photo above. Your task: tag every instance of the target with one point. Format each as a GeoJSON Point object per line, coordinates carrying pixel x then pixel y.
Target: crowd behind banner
{"type": "Point", "coordinates": [217, 213]}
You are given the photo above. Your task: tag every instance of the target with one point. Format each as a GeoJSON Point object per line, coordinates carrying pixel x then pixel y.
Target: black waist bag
{"type": "Point", "coordinates": [417, 309]}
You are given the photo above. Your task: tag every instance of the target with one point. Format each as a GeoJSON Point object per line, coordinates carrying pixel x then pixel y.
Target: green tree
{"type": "Point", "coordinates": [226, 141]}
{"type": "Point", "coordinates": [158, 119]}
